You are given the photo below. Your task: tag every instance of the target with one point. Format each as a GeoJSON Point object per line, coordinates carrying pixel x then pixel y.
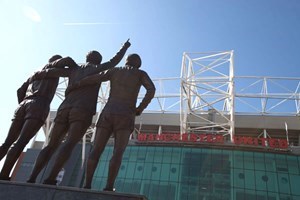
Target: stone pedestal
{"type": "Point", "coordinates": [26, 191]}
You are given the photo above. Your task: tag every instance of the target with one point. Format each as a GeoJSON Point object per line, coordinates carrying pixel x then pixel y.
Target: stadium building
{"type": "Point", "coordinates": [207, 135]}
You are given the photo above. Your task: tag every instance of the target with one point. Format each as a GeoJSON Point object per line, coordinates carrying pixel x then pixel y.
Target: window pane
{"type": "Point", "coordinates": [238, 161]}
{"type": "Point", "coordinates": [259, 161]}
{"type": "Point", "coordinates": [295, 183]}
{"type": "Point", "coordinates": [261, 180]}
{"type": "Point", "coordinates": [293, 167]}
{"type": "Point", "coordinates": [249, 179]}
{"type": "Point", "coordinates": [270, 162]}
{"type": "Point", "coordinates": [239, 178]}
{"type": "Point", "coordinates": [272, 183]}
{"type": "Point", "coordinates": [248, 160]}
{"type": "Point", "coordinates": [283, 183]}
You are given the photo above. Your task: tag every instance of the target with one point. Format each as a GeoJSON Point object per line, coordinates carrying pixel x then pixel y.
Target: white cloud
{"type": "Point", "coordinates": [32, 14]}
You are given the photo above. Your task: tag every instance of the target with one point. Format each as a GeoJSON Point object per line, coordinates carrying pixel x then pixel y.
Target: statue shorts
{"type": "Point", "coordinates": [115, 122]}
{"type": "Point", "coordinates": [32, 109]}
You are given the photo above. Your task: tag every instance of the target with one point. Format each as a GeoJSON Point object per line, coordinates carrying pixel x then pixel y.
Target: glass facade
{"type": "Point", "coordinates": [189, 173]}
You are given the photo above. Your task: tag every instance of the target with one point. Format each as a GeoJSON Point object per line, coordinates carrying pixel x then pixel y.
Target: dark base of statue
{"type": "Point", "coordinates": [28, 191]}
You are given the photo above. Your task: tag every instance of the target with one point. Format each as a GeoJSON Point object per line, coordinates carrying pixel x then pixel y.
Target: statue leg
{"type": "Point", "coordinates": [12, 136]}
{"type": "Point", "coordinates": [30, 128]}
{"type": "Point", "coordinates": [76, 132]}
{"type": "Point", "coordinates": [121, 141]}
{"type": "Point", "coordinates": [102, 136]}
{"type": "Point", "coordinates": [57, 133]}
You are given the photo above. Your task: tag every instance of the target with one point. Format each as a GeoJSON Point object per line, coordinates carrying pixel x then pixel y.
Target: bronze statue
{"type": "Point", "coordinates": [34, 105]}
{"type": "Point", "coordinates": [75, 113]}
{"type": "Point", "coordinates": [119, 113]}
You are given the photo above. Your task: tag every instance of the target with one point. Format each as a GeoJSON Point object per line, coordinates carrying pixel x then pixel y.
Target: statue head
{"type": "Point", "coordinates": [94, 57]}
{"type": "Point", "coordinates": [134, 60]}
{"type": "Point", "coordinates": [54, 58]}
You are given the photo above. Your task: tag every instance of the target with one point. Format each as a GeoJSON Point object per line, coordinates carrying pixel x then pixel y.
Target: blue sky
{"type": "Point", "coordinates": [264, 34]}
